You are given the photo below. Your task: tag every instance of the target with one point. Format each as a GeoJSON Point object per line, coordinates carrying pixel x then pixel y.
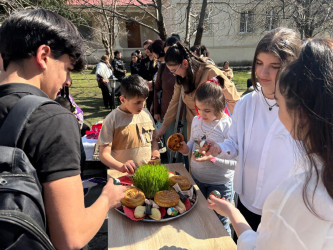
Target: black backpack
{"type": "Point", "coordinates": [22, 213]}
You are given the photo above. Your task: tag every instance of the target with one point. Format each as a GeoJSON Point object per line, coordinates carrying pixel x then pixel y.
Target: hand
{"type": "Point", "coordinates": [105, 80]}
{"type": "Point", "coordinates": [128, 167]}
{"type": "Point", "coordinates": [125, 71]}
{"type": "Point", "coordinates": [221, 206]}
{"type": "Point", "coordinates": [202, 158]}
{"type": "Point", "coordinates": [213, 150]}
{"type": "Point", "coordinates": [157, 117]}
{"type": "Point", "coordinates": [160, 133]}
{"type": "Point", "coordinates": [114, 193]}
{"type": "Point", "coordinates": [184, 149]}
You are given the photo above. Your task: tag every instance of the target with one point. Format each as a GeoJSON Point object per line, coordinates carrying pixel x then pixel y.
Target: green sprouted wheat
{"type": "Point", "coordinates": [151, 179]}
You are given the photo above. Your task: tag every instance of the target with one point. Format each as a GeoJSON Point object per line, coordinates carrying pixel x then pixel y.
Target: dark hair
{"type": "Point", "coordinates": [157, 48]}
{"type": "Point", "coordinates": [138, 52]}
{"type": "Point", "coordinates": [211, 93]}
{"type": "Point", "coordinates": [25, 31]}
{"type": "Point", "coordinates": [176, 35]}
{"type": "Point", "coordinates": [134, 86]}
{"type": "Point", "coordinates": [175, 56]}
{"type": "Point", "coordinates": [134, 54]}
{"type": "Point", "coordinates": [283, 43]}
{"type": "Point", "coordinates": [225, 63]}
{"type": "Point", "coordinates": [64, 102]}
{"type": "Point", "coordinates": [307, 86]}
{"type": "Point", "coordinates": [195, 49]}
{"type": "Point", "coordinates": [171, 40]}
{"type": "Point", "coordinates": [117, 52]}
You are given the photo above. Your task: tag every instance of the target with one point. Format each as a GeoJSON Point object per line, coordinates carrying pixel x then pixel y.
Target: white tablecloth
{"type": "Point", "coordinates": [89, 147]}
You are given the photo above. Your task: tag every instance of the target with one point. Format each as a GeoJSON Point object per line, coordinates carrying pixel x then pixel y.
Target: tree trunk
{"type": "Point", "coordinates": [188, 23]}
{"type": "Point", "coordinates": [198, 36]}
{"type": "Point", "coordinates": [160, 21]}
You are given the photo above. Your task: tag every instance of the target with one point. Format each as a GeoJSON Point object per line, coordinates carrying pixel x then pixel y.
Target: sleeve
{"type": "Point", "coordinates": [106, 134]}
{"type": "Point", "coordinates": [227, 164]}
{"type": "Point", "coordinates": [55, 145]}
{"type": "Point", "coordinates": [98, 70]}
{"type": "Point", "coordinates": [247, 240]}
{"type": "Point", "coordinates": [157, 88]}
{"type": "Point", "coordinates": [230, 145]}
{"type": "Point", "coordinates": [171, 113]}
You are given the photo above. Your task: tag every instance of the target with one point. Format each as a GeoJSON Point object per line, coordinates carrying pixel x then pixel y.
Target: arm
{"type": "Point", "coordinates": [71, 225]}
{"type": "Point", "coordinates": [157, 88]}
{"type": "Point", "coordinates": [171, 113]}
{"type": "Point", "coordinates": [107, 159]}
{"type": "Point", "coordinates": [225, 208]}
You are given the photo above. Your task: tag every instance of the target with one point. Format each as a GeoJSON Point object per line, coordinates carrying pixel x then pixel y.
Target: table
{"type": "Point", "coordinates": [199, 229]}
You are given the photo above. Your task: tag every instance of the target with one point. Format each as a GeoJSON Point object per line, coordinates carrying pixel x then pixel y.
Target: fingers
{"type": "Point", "coordinates": [130, 167]}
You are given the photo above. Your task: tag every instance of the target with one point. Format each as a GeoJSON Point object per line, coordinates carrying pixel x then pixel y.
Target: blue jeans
{"type": "Point", "coordinates": [226, 191]}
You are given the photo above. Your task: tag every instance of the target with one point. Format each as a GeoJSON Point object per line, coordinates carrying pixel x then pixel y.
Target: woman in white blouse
{"type": "Point", "coordinates": [257, 137]}
{"type": "Point", "coordinates": [299, 213]}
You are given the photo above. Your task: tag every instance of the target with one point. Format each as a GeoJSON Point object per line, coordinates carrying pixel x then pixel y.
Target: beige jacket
{"type": "Point", "coordinates": [204, 73]}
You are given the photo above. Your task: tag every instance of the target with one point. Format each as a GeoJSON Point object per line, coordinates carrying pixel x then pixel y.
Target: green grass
{"type": "Point", "coordinates": [88, 96]}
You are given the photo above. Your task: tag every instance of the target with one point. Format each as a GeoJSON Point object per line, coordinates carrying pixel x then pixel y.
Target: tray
{"type": "Point", "coordinates": [166, 217]}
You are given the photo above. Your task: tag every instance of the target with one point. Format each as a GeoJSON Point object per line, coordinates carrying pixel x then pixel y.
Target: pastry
{"type": "Point", "coordinates": [166, 198]}
{"type": "Point", "coordinates": [133, 197]}
{"type": "Point", "coordinates": [183, 182]}
{"type": "Point", "coordinates": [173, 142]}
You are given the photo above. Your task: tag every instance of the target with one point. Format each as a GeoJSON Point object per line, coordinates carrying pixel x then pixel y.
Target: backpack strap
{"type": "Point", "coordinates": [12, 127]}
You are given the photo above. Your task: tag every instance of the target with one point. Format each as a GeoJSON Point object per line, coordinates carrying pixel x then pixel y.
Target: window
{"type": "Point", "coordinates": [272, 20]}
{"type": "Point", "coordinates": [246, 22]}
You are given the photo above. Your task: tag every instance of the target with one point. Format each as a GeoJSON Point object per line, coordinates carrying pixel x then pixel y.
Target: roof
{"type": "Point", "coordinates": [109, 2]}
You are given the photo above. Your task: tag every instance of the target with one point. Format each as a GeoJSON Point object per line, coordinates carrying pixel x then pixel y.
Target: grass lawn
{"type": "Point", "coordinates": [88, 96]}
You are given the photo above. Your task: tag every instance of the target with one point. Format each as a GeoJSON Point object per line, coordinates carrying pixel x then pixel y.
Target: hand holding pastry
{"type": "Point", "coordinates": [184, 149]}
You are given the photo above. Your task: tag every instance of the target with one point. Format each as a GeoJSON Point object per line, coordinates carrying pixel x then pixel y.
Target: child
{"type": "Point", "coordinates": [210, 173]}
{"type": "Point", "coordinates": [126, 138]}
{"type": "Point", "coordinates": [298, 214]}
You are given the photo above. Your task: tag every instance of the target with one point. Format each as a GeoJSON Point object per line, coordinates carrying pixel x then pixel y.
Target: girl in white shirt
{"type": "Point", "coordinates": [263, 146]}
{"type": "Point", "coordinates": [210, 173]}
{"type": "Point", "coordinates": [299, 213]}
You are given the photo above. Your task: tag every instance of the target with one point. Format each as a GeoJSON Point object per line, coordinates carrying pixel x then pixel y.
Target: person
{"type": "Point", "coordinates": [103, 74]}
{"type": "Point", "coordinates": [210, 173]}
{"type": "Point", "coordinates": [298, 213]}
{"type": "Point", "coordinates": [263, 146]}
{"type": "Point", "coordinates": [202, 52]}
{"type": "Point", "coordinates": [39, 48]}
{"type": "Point", "coordinates": [134, 65]}
{"type": "Point", "coordinates": [74, 108]}
{"type": "Point", "coordinates": [163, 89]}
{"type": "Point", "coordinates": [148, 69]}
{"type": "Point", "coordinates": [228, 71]}
{"type": "Point", "coordinates": [190, 71]}
{"type": "Point", "coordinates": [126, 138]}
{"type": "Point", "coordinates": [140, 56]}
{"type": "Point", "coordinates": [118, 66]}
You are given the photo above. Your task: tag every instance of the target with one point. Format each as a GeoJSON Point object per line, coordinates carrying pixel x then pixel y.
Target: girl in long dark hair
{"type": "Point", "coordinates": [299, 213]}
{"type": "Point", "coordinates": [190, 71]}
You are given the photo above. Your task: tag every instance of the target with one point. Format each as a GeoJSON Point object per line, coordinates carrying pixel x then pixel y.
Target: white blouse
{"type": "Point", "coordinates": [286, 222]}
{"type": "Point", "coordinates": [276, 157]}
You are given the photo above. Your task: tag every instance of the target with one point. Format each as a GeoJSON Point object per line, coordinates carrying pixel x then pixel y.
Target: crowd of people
{"type": "Point", "coordinates": [273, 147]}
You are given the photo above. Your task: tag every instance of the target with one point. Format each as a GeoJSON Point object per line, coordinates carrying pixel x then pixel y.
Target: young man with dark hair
{"type": "Point", "coordinates": [127, 136]}
{"type": "Point", "coordinates": [39, 48]}
{"type": "Point", "coordinates": [148, 69]}
{"type": "Point", "coordinates": [118, 66]}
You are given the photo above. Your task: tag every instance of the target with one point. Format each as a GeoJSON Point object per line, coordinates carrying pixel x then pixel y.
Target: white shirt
{"type": "Point", "coordinates": [286, 222]}
{"type": "Point", "coordinates": [276, 156]}
{"type": "Point", "coordinates": [208, 172]}
{"type": "Point", "coordinates": [103, 70]}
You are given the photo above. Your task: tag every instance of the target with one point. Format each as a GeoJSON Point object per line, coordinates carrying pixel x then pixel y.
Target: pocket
{"type": "Point", "coordinates": [147, 132]}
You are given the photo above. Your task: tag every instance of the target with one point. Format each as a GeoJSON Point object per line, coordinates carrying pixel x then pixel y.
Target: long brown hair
{"type": "Point", "coordinates": [283, 43]}
{"type": "Point", "coordinates": [307, 86]}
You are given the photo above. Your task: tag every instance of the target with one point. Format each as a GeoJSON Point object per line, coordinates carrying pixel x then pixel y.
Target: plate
{"type": "Point", "coordinates": [166, 217]}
